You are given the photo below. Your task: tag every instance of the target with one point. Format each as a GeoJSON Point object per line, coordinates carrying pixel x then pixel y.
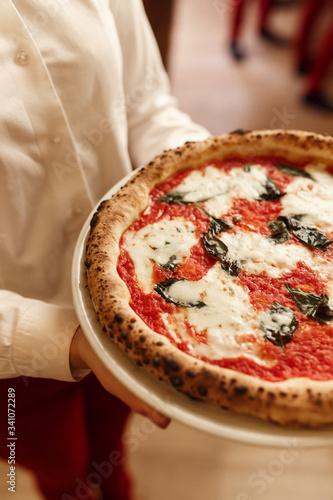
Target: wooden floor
{"type": "Point", "coordinates": [260, 92]}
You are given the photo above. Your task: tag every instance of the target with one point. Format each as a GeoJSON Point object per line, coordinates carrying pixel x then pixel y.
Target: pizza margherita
{"type": "Point", "coordinates": [213, 269]}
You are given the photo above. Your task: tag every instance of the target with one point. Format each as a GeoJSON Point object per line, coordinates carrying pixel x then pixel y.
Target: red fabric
{"type": "Point", "coordinates": [323, 60]}
{"type": "Point", "coordinates": [238, 12]}
{"type": "Point", "coordinates": [69, 435]}
{"type": "Point", "coordinates": [310, 13]}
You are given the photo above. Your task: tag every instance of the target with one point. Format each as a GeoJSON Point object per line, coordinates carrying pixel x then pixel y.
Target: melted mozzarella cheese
{"type": "Point", "coordinates": [259, 255]}
{"type": "Point", "coordinates": [313, 198]}
{"type": "Point", "coordinates": [159, 242]}
{"type": "Point", "coordinates": [226, 316]}
{"type": "Point", "coordinates": [221, 187]}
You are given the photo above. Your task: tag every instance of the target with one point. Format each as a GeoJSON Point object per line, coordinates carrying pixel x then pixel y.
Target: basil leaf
{"type": "Point", "coordinates": [272, 192]}
{"type": "Point", "coordinates": [315, 306]}
{"type": "Point", "coordinates": [280, 232]}
{"type": "Point", "coordinates": [178, 197]}
{"type": "Point", "coordinates": [171, 265]}
{"type": "Point", "coordinates": [163, 289]}
{"type": "Point", "coordinates": [291, 170]}
{"type": "Point", "coordinates": [216, 225]}
{"type": "Point", "coordinates": [231, 266]}
{"type": "Point", "coordinates": [324, 313]}
{"type": "Point", "coordinates": [279, 324]}
{"type": "Point", "coordinates": [308, 235]}
{"type": "Point", "coordinates": [215, 247]}
{"type": "Point", "coordinates": [174, 197]}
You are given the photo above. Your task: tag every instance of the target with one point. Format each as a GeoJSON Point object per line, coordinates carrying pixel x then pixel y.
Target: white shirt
{"type": "Point", "coordinates": [84, 99]}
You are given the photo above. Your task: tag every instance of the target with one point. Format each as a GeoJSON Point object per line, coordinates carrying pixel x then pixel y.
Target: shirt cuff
{"type": "Point", "coordinates": [42, 343]}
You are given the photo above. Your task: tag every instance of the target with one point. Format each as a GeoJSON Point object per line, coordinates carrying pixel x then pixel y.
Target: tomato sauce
{"type": "Point", "coordinates": [310, 353]}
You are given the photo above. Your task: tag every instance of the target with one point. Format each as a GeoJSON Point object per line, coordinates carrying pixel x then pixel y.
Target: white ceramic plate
{"type": "Point", "coordinates": [163, 397]}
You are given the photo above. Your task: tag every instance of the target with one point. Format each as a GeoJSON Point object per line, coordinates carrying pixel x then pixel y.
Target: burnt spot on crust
{"type": "Point", "coordinates": [118, 318]}
{"type": "Point", "coordinates": [207, 374]}
{"type": "Point", "coordinates": [176, 381]}
{"type": "Point", "coordinates": [240, 131]}
{"type": "Point", "coordinates": [190, 373]}
{"type": "Point", "coordinates": [192, 397]}
{"type": "Point", "coordinates": [171, 363]}
{"type": "Point", "coordinates": [240, 390]}
{"type": "Point", "coordinates": [316, 399]}
{"type": "Point", "coordinates": [94, 220]}
{"type": "Point", "coordinates": [223, 387]}
{"type": "Point", "coordinates": [202, 390]}
{"type": "Point", "coordinates": [156, 362]}
{"type": "Point", "coordinates": [142, 338]}
{"type": "Point", "coordinates": [129, 344]}
{"type": "Point", "coordinates": [87, 263]}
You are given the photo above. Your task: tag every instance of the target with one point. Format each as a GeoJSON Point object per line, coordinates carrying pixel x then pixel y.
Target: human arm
{"type": "Point", "coordinates": [35, 338]}
{"type": "Point", "coordinates": [155, 122]}
{"type": "Point", "coordinates": [61, 352]}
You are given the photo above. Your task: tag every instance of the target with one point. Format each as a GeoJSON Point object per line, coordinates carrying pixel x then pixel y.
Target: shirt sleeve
{"type": "Point", "coordinates": [154, 120]}
{"type": "Point", "coordinates": [35, 338]}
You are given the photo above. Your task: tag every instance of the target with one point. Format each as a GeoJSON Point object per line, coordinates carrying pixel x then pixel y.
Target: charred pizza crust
{"type": "Point", "coordinates": [297, 402]}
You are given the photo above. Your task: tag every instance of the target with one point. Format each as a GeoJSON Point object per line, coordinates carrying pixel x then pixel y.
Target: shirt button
{"type": "Point", "coordinates": [22, 58]}
{"type": "Point", "coordinates": [77, 211]}
{"type": "Point", "coordinates": [56, 140]}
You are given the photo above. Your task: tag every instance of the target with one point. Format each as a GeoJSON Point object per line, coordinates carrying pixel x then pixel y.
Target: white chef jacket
{"type": "Point", "coordinates": [84, 99]}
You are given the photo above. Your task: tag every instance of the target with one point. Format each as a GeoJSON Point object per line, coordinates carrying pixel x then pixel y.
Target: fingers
{"type": "Point", "coordinates": [158, 418]}
{"type": "Point", "coordinates": [112, 385]}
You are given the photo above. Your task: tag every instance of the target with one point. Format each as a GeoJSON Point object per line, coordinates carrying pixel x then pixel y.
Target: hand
{"type": "Point", "coordinates": [82, 356]}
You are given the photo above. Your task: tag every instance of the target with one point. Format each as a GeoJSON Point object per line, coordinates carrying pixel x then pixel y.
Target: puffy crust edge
{"type": "Point", "coordinates": [297, 402]}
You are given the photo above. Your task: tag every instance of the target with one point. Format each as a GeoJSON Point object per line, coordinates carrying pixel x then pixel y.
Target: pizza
{"type": "Point", "coordinates": [212, 268]}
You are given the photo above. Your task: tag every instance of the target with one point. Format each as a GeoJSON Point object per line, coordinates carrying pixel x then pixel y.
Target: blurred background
{"type": "Point", "coordinates": [227, 78]}
{"type": "Point", "coordinates": [264, 89]}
